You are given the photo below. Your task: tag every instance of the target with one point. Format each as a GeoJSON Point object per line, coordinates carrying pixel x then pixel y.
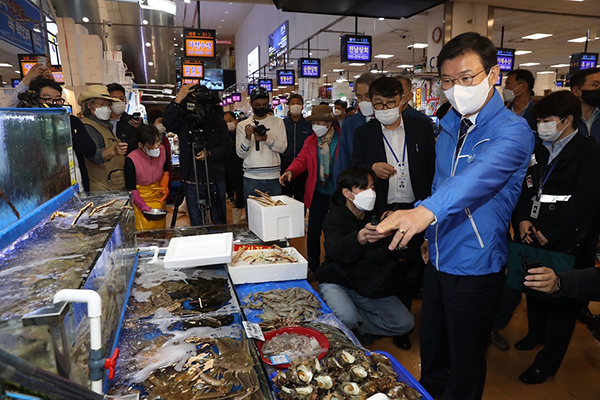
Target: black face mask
{"type": "Point", "coordinates": [592, 97]}
{"type": "Point", "coordinates": [260, 112]}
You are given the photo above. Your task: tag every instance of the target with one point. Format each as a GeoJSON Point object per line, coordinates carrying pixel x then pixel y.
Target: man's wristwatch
{"type": "Point", "coordinates": [558, 283]}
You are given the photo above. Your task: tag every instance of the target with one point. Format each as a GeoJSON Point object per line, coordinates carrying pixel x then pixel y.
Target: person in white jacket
{"type": "Point", "coordinates": [259, 142]}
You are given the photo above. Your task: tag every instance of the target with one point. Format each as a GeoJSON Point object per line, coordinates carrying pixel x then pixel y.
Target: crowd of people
{"type": "Point", "coordinates": [398, 208]}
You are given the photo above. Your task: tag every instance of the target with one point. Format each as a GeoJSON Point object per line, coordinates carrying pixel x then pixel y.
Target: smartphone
{"type": "Point", "coordinates": [136, 116]}
{"type": "Point", "coordinates": [530, 265]}
{"type": "Point", "coordinates": [42, 61]}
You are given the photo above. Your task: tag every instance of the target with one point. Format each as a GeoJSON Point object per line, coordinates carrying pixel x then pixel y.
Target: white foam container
{"type": "Point", "coordinates": [196, 251]}
{"type": "Point", "coordinates": [276, 223]}
{"type": "Point", "coordinates": [243, 272]}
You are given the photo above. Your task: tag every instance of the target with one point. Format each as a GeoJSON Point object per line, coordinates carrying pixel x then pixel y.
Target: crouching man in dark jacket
{"type": "Point", "coordinates": [359, 277]}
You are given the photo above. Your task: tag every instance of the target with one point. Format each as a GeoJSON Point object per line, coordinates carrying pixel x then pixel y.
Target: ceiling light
{"type": "Point", "coordinates": [529, 64]}
{"type": "Point", "coordinates": [152, 81]}
{"type": "Point", "coordinates": [356, 64]}
{"type": "Point", "coordinates": [150, 63]}
{"type": "Point", "coordinates": [537, 36]}
{"type": "Point", "coordinates": [310, 54]}
{"type": "Point", "coordinates": [222, 20]}
{"type": "Point", "coordinates": [36, 28]}
{"type": "Point", "coordinates": [182, 35]}
{"type": "Point", "coordinates": [186, 1]}
{"type": "Point", "coordinates": [219, 27]}
{"type": "Point", "coordinates": [560, 65]}
{"type": "Point", "coordinates": [521, 52]}
{"type": "Point", "coordinates": [145, 22]}
{"type": "Point", "coordinates": [545, 72]}
{"type": "Point", "coordinates": [384, 56]}
{"type": "Point", "coordinates": [148, 44]}
{"type": "Point", "coordinates": [2, 64]}
{"type": "Point", "coordinates": [324, 74]}
{"type": "Point", "coordinates": [419, 45]}
{"type": "Point", "coordinates": [404, 66]}
{"type": "Point", "coordinates": [176, 45]}
{"type": "Point", "coordinates": [582, 39]}
{"type": "Point", "coordinates": [85, 19]}
{"type": "Point", "coordinates": [381, 19]}
{"type": "Point", "coordinates": [281, 87]}
{"type": "Point", "coordinates": [4, 83]}
{"type": "Point", "coordinates": [18, 72]}
{"type": "Point", "coordinates": [174, 38]}
{"type": "Point", "coordinates": [226, 12]}
{"type": "Point", "coordinates": [167, 6]}
{"type": "Point", "coordinates": [338, 70]}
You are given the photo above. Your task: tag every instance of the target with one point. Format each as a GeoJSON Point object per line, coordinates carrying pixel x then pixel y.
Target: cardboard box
{"type": "Point", "coordinates": [195, 251]}
{"type": "Point", "coordinates": [276, 223]}
{"type": "Point", "coordinates": [244, 272]}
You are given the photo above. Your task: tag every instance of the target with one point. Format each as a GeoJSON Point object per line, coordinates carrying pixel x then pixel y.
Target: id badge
{"type": "Point", "coordinates": [402, 185]}
{"type": "Point", "coordinates": [529, 182]}
{"type": "Point", "coordinates": [535, 209]}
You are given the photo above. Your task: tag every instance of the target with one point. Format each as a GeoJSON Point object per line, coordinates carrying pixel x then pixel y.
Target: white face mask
{"type": "Point", "coordinates": [152, 152]}
{"type": "Point", "coordinates": [320, 130]}
{"type": "Point", "coordinates": [365, 200]}
{"type": "Point", "coordinates": [337, 112]}
{"type": "Point", "coordinates": [296, 110]}
{"type": "Point", "coordinates": [509, 95]}
{"type": "Point", "coordinates": [102, 113]}
{"type": "Point", "coordinates": [366, 108]}
{"type": "Point", "coordinates": [118, 107]}
{"type": "Point", "coordinates": [548, 132]}
{"type": "Point", "coordinates": [388, 117]}
{"type": "Point", "coordinates": [160, 128]}
{"type": "Point", "coordinates": [231, 126]}
{"type": "Point", "coordinates": [468, 99]}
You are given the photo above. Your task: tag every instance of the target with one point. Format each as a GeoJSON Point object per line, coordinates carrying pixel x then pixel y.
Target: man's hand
{"type": "Point", "coordinates": [407, 223]}
{"type": "Point", "coordinates": [542, 279]}
{"type": "Point", "coordinates": [287, 176]}
{"type": "Point", "coordinates": [369, 234]}
{"type": "Point", "coordinates": [540, 238]}
{"type": "Point", "coordinates": [249, 130]}
{"type": "Point", "coordinates": [201, 155]}
{"type": "Point", "coordinates": [183, 92]}
{"type": "Point", "coordinates": [36, 71]}
{"type": "Point", "coordinates": [525, 230]}
{"type": "Point", "coordinates": [135, 123]}
{"type": "Point", "coordinates": [262, 138]}
{"type": "Point", "coordinates": [383, 170]}
{"type": "Point", "coordinates": [425, 251]}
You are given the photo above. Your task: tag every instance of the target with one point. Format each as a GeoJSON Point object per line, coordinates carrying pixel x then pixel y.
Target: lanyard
{"type": "Point", "coordinates": [401, 165]}
{"type": "Point", "coordinates": [545, 177]}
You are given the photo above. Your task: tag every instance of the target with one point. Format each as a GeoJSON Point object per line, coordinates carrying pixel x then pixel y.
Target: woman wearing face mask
{"type": "Point", "coordinates": [147, 176]}
{"type": "Point", "coordinates": [105, 167]}
{"type": "Point", "coordinates": [155, 119]}
{"type": "Point", "coordinates": [358, 278]}
{"type": "Point", "coordinates": [558, 211]}
{"type": "Point", "coordinates": [318, 158]}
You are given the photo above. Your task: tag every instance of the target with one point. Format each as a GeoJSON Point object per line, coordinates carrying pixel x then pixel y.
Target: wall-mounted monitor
{"type": "Point", "coordinates": [356, 48]}
{"type": "Point", "coordinates": [213, 79]}
{"type": "Point", "coordinates": [286, 77]}
{"type": "Point", "coordinates": [278, 45]}
{"type": "Point", "coordinates": [309, 67]}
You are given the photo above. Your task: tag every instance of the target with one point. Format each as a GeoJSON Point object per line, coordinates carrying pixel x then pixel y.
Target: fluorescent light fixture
{"type": "Point", "coordinates": [537, 36]}
{"type": "Point", "coordinates": [404, 66]}
{"type": "Point", "coordinates": [176, 45]}
{"type": "Point", "coordinates": [356, 76]}
{"type": "Point", "coordinates": [578, 40]}
{"type": "Point", "coordinates": [186, 1]}
{"type": "Point", "coordinates": [2, 64]}
{"type": "Point", "coordinates": [182, 35]}
{"type": "Point", "coordinates": [148, 44]}
{"type": "Point", "coordinates": [324, 74]}
{"type": "Point", "coordinates": [560, 65]}
{"type": "Point", "coordinates": [281, 87]}
{"type": "Point", "coordinates": [4, 83]}
{"type": "Point", "coordinates": [338, 70]}
{"type": "Point", "coordinates": [381, 19]}
{"type": "Point", "coordinates": [296, 84]}
{"type": "Point", "coordinates": [545, 72]}
{"type": "Point", "coordinates": [522, 52]}
{"type": "Point", "coordinates": [85, 19]}
{"type": "Point", "coordinates": [145, 22]}
{"type": "Point", "coordinates": [384, 56]}
{"type": "Point", "coordinates": [18, 72]}
{"type": "Point", "coordinates": [167, 6]}
{"type": "Point", "coordinates": [152, 80]}
{"type": "Point", "coordinates": [356, 64]}
{"type": "Point", "coordinates": [419, 45]}
{"type": "Point", "coordinates": [529, 64]}
{"type": "Point", "coordinates": [150, 63]}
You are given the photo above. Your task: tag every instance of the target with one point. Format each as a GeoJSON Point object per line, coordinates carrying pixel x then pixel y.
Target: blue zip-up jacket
{"type": "Point", "coordinates": [473, 204]}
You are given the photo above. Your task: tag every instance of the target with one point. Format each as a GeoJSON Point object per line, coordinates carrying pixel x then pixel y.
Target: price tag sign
{"type": "Point", "coordinates": [279, 359]}
{"type": "Point", "coordinates": [253, 331]}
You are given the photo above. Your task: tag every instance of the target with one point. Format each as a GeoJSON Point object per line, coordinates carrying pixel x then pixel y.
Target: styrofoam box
{"type": "Point", "coordinates": [243, 272]}
{"type": "Point", "coordinates": [195, 251]}
{"type": "Point", "coordinates": [276, 223]}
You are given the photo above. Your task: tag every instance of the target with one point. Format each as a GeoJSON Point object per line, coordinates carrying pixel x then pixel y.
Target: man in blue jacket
{"type": "Point", "coordinates": [482, 155]}
{"type": "Point", "coordinates": [364, 115]}
{"type": "Point", "coordinates": [585, 84]}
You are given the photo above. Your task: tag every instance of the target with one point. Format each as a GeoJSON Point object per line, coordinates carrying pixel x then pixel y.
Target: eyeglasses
{"type": "Point", "coordinates": [390, 104]}
{"type": "Point", "coordinates": [361, 97]}
{"type": "Point", "coordinates": [51, 101]}
{"type": "Point", "coordinates": [462, 80]}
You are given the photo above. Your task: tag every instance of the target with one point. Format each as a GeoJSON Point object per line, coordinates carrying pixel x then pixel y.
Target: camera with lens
{"type": "Point", "coordinates": [201, 105]}
{"type": "Point", "coordinates": [28, 99]}
{"type": "Point", "coordinates": [259, 130]}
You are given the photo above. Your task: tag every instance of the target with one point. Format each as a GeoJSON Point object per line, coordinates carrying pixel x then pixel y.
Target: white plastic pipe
{"type": "Point", "coordinates": [154, 249]}
{"type": "Point", "coordinates": [94, 311]}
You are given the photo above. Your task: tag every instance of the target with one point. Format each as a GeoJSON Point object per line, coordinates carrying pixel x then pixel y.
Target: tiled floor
{"type": "Point", "coordinates": [578, 377]}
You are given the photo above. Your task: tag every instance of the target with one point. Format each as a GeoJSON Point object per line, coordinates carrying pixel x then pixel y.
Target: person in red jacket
{"type": "Point", "coordinates": [317, 157]}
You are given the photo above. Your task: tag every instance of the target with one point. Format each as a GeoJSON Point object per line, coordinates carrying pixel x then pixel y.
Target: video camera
{"type": "Point", "coordinates": [200, 105]}
{"type": "Point", "coordinates": [259, 130]}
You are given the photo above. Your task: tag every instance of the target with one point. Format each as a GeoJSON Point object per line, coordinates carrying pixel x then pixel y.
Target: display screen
{"type": "Point", "coordinates": [581, 61]}
{"type": "Point", "coordinates": [251, 87]}
{"type": "Point", "coordinates": [57, 73]}
{"type": "Point", "coordinates": [190, 81]}
{"type": "Point", "coordinates": [26, 61]}
{"type": "Point", "coordinates": [192, 68]}
{"type": "Point", "coordinates": [275, 101]}
{"type": "Point", "coordinates": [286, 77]}
{"type": "Point", "coordinates": [236, 97]}
{"type": "Point", "coordinates": [15, 82]}
{"type": "Point", "coordinates": [213, 79]}
{"type": "Point", "coordinates": [355, 48]}
{"type": "Point", "coordinates": [278, 45]}
{"type": "Point", "coordinates": [228, 100]}
{"type": "Point", "coordinates": [283, 100]}
{"type": "Point", "coordinates": [253, 62]}
{"type": "Point", "coordinates": [199, 42]}
{"type": "Point", "coordinates": [310, 67]}
{"type": "Point", "coordinates": [560, 84]}
{"type": "Point", "coordinates": [506, 59]}
{"type": "Point", "coordinates": [266, 83]}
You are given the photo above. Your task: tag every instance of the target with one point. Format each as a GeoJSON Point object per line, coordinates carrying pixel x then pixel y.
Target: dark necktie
{"type": "Point", "coordinates": [465, 124]}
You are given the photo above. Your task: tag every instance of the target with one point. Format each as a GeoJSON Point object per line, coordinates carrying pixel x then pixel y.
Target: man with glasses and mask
{"type": "Point", "coordinates": [517, 93]}
{"type": "Point", "coordinates": [482, 154]}
{"type": "Point", "coordinates": [364, 115]}
{"type": "Point", "coordinates": [585, 84]}
{"type": "Point", "coordinates": [260, 141]}
{"type": "Point", "coordinates": [401, 151]}
{"type": "Point", "coordinates": [123, 124]}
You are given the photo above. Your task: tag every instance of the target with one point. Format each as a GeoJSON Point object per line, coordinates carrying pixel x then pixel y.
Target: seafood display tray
{"type": "Point", "coordinates": [276, 223]}
{"type": "Point", "coordinates": [195, 251]}
{"type": "Point", "coordinates": [244, 272]}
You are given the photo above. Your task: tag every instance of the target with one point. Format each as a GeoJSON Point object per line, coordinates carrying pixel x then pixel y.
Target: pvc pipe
{"type": "Point", "coordinates": [97, 386]}
{"type": "Point", "coordinates": [154, 249]}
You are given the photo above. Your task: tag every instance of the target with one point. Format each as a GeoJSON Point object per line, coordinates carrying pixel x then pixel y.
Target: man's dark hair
{"type": "Point", "coordinates": [115, 87]}
{"type": "Point", "coordinates": [355, 176]}
{"type": "Point", "coordinates": [231, 114]}
{"type": "Point", "coordinates": [469, 42]}
{"type": "Point", "coordinates": [153, 115]}
{"type": "Point", "coordinates": [341, 103]}
{"type": "Point", "coordinates": [323, 103]}
{"type": "Point", "coordinates": [386, 87]}
{"type": "Point", "coordinates": [295, 96]}
{"type": "Point", "coordinates": [560, 104]}
{"type": "Point", "coordinates": [350, 109]}
{"type": "Point", "coordinates": [578, 79]}
{"type": "Point", "coordinates": [39, 83]}
{"type": "Point", "coordinates": [145, 134]}
{"type": "Point", "coordinates": [523, 75]}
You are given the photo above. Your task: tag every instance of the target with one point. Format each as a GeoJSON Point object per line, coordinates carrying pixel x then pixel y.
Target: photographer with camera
{"type": "Point", "coordinates": [259, 142]}
{"type": "Point", "coordinates": [204, 145]}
